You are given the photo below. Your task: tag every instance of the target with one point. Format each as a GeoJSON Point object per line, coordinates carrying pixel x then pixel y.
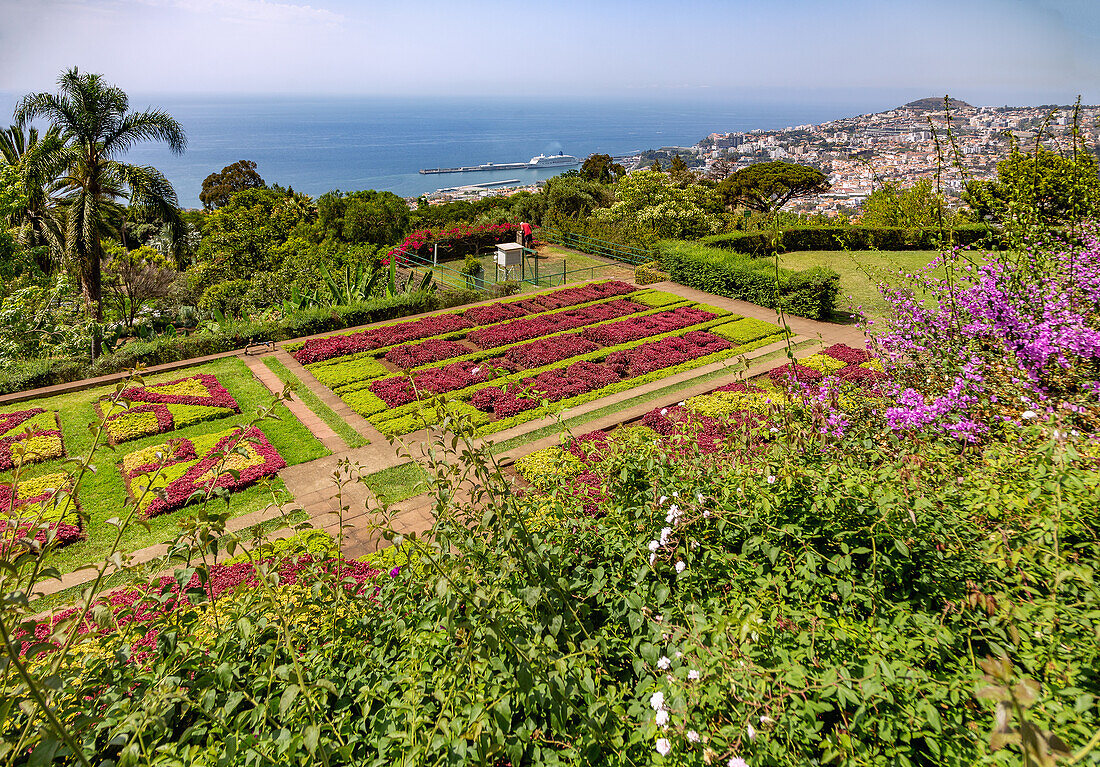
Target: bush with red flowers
{"type": "Point", "coordinates": [454, 242]}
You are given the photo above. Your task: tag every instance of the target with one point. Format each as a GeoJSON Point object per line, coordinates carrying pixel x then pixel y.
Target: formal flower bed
{"type": "Point", "coordinates": [649, 325]}
{"type": "Point", "coordinates": [545, 324]}
{"type": "Point", "coordinates": [329, 347]}
{"type": "Point", "coordinates": [163, 407]}
{"type": "Point", "coordinates": [140, 605]}
{"type": "Point", "coordinates": [414, 355]}
{"type": "Point", "coordinates": [36, 431]}
{"type": "Point", "coordinates": [38, 507]}
{"type": "Point", "coordinates": [164, 477]}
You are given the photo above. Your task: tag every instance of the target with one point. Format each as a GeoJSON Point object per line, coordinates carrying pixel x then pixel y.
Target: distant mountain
{"type": "Point", "coordinates": [934, 104]}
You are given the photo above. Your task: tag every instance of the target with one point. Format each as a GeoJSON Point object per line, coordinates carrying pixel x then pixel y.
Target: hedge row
{"type": "Point", "coordinates": [810, 293]}
{"type": "Point", "coordinates": [846, 238]}
{"type": "Point", "coordinates": [34, 374]}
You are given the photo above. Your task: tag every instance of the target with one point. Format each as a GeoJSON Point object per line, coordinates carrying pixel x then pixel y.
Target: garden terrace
{"type": "Point", "coordinates": [495, 363]}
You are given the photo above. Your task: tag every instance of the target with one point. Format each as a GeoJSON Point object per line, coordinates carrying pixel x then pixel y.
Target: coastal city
{"type": "Point", "coordinates": [919, 140]}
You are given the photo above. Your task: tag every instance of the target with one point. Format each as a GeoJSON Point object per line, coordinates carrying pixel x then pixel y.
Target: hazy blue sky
{"type": "Point", "coordinates": [984, 51]}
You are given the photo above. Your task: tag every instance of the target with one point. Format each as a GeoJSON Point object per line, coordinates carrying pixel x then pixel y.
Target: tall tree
{"type": "Point", "coordinates": [217, 188]}
{"type": "Point", "coordinates": [768, 186]}
{"type": "Point", "coordinates": [602, 169]}
{"type": "Point", "coordinates": [34, 158]}
{"type": "Point", "coordinates": [97, 127]}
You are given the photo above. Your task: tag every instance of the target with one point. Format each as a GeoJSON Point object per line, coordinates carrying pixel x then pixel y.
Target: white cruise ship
{"type": "Point", "coordinates": [553, 161]}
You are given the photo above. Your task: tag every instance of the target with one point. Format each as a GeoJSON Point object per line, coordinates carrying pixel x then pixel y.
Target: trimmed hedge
{"type": "Point", "coordinates": [37, 373]}
{"type": "Point", "coordinates": [845, 238]}
{"type": "Point", "coordinates": [810, 293]}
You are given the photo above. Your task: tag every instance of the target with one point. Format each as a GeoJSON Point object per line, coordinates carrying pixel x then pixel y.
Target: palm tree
{"type": "Point", "coordinates": [96, 127]}
{"type": "Point", "coordinates": [35, 159]}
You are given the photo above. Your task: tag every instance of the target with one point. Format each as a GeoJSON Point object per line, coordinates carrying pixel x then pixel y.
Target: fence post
{"type": "Point", "coordinates": [435, 254]}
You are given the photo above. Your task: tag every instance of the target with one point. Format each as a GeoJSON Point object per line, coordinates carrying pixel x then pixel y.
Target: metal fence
{"type": "Point", "coordinates": [616, 251]}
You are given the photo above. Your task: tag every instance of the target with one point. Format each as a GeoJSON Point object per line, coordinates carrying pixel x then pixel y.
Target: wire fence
{"type": "Point", "coordinates": [616, 251]}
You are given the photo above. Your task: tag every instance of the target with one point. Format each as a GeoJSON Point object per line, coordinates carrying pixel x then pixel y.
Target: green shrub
{"type": "Point", "coordinates": [647, 274]}
{"type": "Point", "coordinates": [800, 238]}
{"type": "Point", "coordinates": [34, 374]}
{"type": "Point", "coordinates": [225, 297]}
{"type": "Point", "coordinates": [811, 293]}
{"type": "Point", "coordinates": [744, 330]}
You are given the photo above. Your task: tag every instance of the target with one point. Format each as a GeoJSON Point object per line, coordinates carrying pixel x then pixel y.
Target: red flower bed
{"type": "Point", "coordinates": [12, 434]}
{"type": "Point", "coordinates": [66, 533]}
{"type": "Point", "coordinates": [552, 385]}
{"type": "Point", "coordinates": [217, 395]}
{"type": "Point", "coordinates": [183, 449]}
{"type": "Point", "coordinates": [493, 313]}
{"type": "Point", "coordinates": [179, 491]}
{"type": "Point", "coordinates": [319, 349]}
{"type": "Point", "coordinates": [634, 328]}
{"type": "Point", "coordinates": [544, 351]}
{"type": "Point", "coordinates": [398, 390]}
{"type": "Point", "coordinates": [433, 350]}
{"type": "Point", "coordinates": [589, 447]}
{"type": "Point", "coordinates": [534, 327]}
{"type": "Point", "coordinates": [789, 373]}
{"type": "Point", "coordinates": [709, 433]}
{"type": "Point", "coordinates": [665, 353]}
{"type": "Point", "coordinates": [847, 354]}
{"type": "Point", "coordinates": [860, 375]}
{"type": "Point", "coordinates": [573, 296]}
{"type": "Point", "coordinates": [143, 604]}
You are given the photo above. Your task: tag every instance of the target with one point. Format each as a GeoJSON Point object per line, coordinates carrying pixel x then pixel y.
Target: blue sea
{"type": "Point", "coordinates": [319, 144]}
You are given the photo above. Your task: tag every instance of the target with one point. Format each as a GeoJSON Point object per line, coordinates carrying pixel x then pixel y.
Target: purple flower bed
{"type": "Point", "coordinates": [665, 353]}
{"type": "Point", "coordinates": [433, 350]}
{"type": "Point", "coordinates": [635, 328]}
{"type": "Point", "coordinates": [535, 327]}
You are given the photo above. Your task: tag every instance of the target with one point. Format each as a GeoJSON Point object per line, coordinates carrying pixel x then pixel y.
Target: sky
{"type": "Point", "coordinates": [983, 51]}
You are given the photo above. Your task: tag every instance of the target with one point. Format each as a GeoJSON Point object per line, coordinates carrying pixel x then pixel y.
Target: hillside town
{"type": "Point", "coordinates": [918, 140]}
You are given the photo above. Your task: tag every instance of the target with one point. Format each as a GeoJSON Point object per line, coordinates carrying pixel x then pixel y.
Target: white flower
{"type": "Point", "coordinates": [679, 655]}
{"type": "Point", "coordinates": [751, 732]}
{"type": "Point", "coordinates": [663, 663]}
{"type": "Point", "coordinates": [681, 403]}
{"type": "Point", "coordinates": [664, 411]}
{"type": "Point", "coordinates": [675, 494]}
{"type": "Point", "coordinates": [693, 736]}
{"type": "Point", "coordinates": [766, 720]}
{"type": "Point", "coordinates": [680, 566]}
{"type": "Point", "coordinates": [706, 512]}
{"type": "Point", "coordinates": [653, 559]}
{"type": "Point", "coordinates": [665, 533]}
{"type": "Point", "coordinates": [693, 675]}
{"type": "Point", "coordinates": [654, 545]}
{"type": "Point", "coordinates": [662, 718]}
{"type": "Point", "coordinates": [661, 500]}
{"type": "Point", "coordinates": [673, 515]}
{"type": "Point", "coordinates": [658, 618]}
{"type": "Point", "coordinates": [694, 545]}
{"type": "Point", "coordinates": [737, 762]}
{"type": "Point", "coordinates": [663, 746]}
{"type": "Point", "coordinates": [657, 700]}
{"type": "Point", "coordinates": [771, 479]}
{"type": "Point", "coordinates": [476, 370]}
{"type": "Point", "coordinates": [1028, 414]}
{"type": "Point", "coordinates": [699, 497]}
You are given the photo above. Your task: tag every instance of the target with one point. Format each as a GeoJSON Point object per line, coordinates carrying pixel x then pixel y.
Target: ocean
{"type": "Point", "coordinates": [316, 145]}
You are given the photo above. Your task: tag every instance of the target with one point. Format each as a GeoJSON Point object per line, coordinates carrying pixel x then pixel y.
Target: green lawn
{"type": "Point", "coordinates": [102, 493]}
{"type": "Point", "coordinates": [351, 437]}
{"type": "Point", "coordinates": [859, 271]}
